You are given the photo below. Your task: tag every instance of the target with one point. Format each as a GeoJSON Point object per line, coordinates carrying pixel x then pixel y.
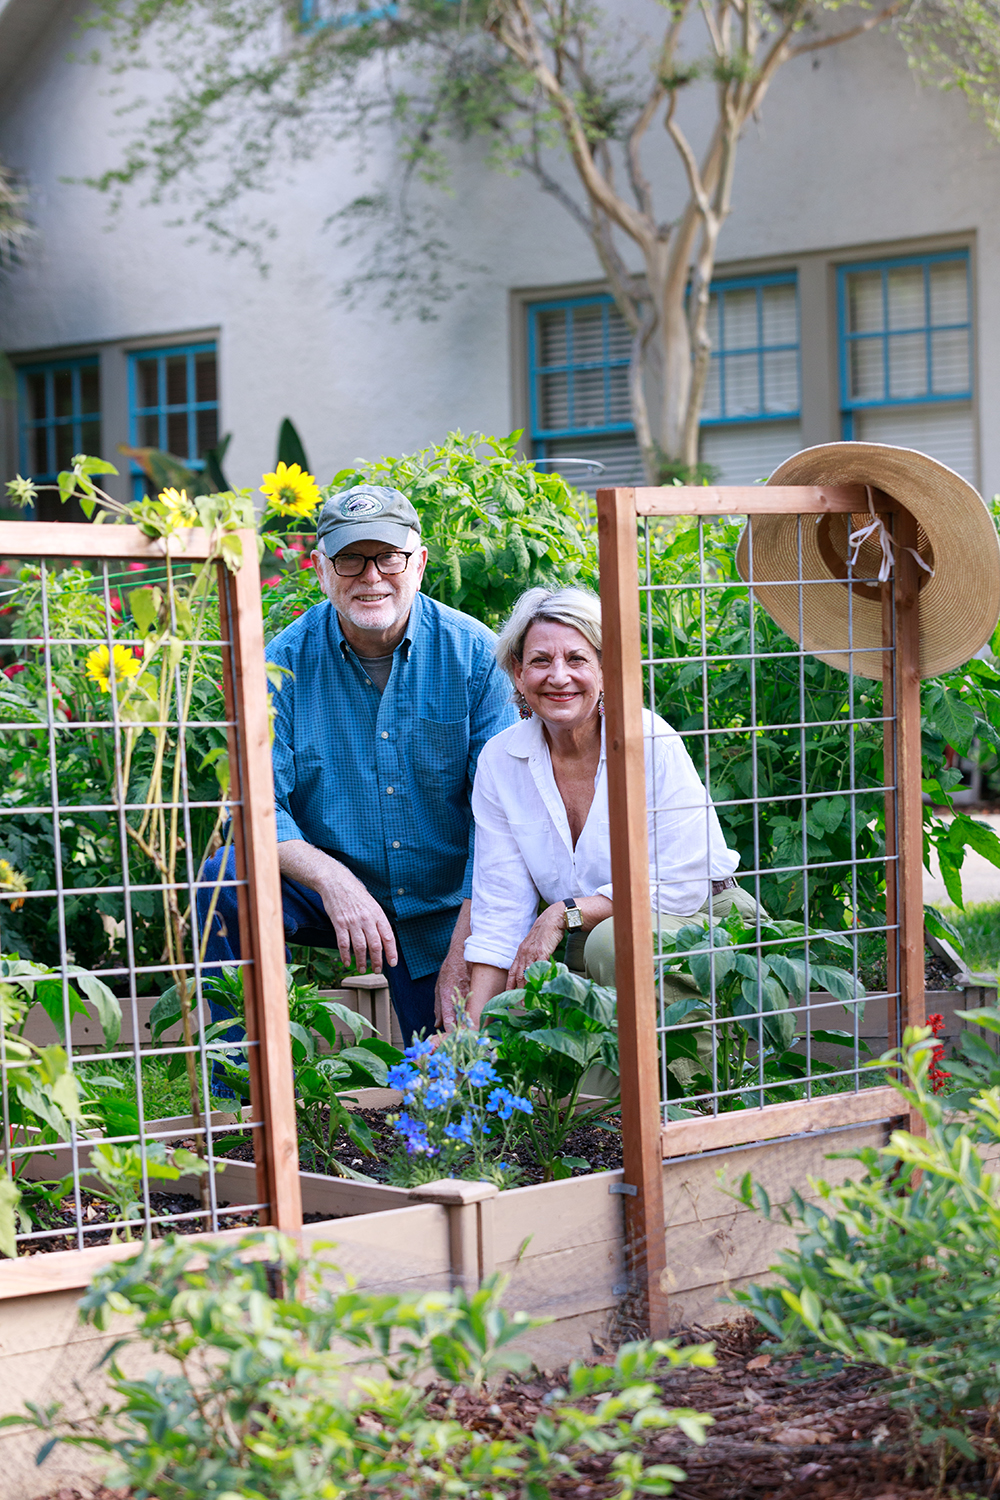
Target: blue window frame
{"type": "Point", "coordinates": [578, 355]}
{"type": "Point", "coordinates": [174, 403]}
{"type": "Point", "coordinates": [59, 414]}
{"type": "Point", "coordinates": [315, 14]}
{"type": "Point", "coordinates": [754, 376]}
{"type": "Point", "coordinates": [905, 334]}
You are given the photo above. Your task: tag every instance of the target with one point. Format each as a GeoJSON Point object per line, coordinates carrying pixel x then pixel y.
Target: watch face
{"type": "Point", "coordinates": [574, 917]}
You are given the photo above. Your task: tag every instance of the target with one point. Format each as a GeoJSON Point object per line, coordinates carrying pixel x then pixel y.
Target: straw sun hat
{"type": "Point", "coordinates": [956, 538]}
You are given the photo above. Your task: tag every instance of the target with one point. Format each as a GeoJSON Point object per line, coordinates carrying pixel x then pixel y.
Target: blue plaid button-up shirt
{"type": "Point", "coordinates": [383, 782]}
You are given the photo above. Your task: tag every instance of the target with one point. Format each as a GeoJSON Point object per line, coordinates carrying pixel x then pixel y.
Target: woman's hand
{"type": "Point", "coordinates": [542, 941]}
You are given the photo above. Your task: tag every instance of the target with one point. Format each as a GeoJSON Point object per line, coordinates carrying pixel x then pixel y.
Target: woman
{"type": "Point", "coordinates": [540, 803]}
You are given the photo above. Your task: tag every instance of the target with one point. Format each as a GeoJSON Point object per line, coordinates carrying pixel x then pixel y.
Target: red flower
{"type": "Point", "coordinates": [13, 670]}
{"type": "Point", "coordinates": [936, 1075]}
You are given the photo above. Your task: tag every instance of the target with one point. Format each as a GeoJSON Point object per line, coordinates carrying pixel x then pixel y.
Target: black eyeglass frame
{"type": "Point", "coordinates": [393, 552]}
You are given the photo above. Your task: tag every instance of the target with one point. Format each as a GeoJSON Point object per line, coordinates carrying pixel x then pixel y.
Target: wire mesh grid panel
{"type": "Point", "coordinates": [762, 996]}
{"type": "Point", "coordinates": [134, 743]}
{"type": "Point", "coordinates": [764, 814]}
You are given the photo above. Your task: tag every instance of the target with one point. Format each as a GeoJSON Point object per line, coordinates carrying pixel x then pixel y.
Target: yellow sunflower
{"type": "Point", "coordinates": [290, 491]}
{"type": "Point", "coordinates": [12, 880]}
{"type": "Point", "coordinates": [180, 510]}
{"type": "Point", "coordinates": [98, 666]}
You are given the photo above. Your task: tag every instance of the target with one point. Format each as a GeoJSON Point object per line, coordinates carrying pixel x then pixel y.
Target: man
{"type": "Point", "coordinates": [388, 700]}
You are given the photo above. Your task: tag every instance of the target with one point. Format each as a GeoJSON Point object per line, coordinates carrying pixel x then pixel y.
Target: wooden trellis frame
{"type": "Point", "coordinates": [646, 1142]}
{"type": "Point", "coordinates": [251, 799]}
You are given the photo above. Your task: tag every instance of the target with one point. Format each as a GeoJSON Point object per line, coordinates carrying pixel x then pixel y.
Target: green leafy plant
{"type": "Point", "coordinates": [750, 1032]}
{"type": "Point", "coordinates": [253, 1394]}
{"type": "Point", "coordinates": [327, 1065]}
{"type": "Point", "coordinates": [975, 1064]}
{"type": "Point", "coordinates": [493, 524]}
{"type": "Point", "coordinates": [44, 1098]}
{"type": "Point", "coordinates": [898, 1268]}
{"type": "Point", "coordinates": [549, 1036]}
{"type": "Point", "coordinates": [122, 1170]}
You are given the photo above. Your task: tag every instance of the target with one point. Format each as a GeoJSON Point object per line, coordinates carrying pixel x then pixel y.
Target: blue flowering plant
{"type": "Point", "coordinates": [458, 1118]}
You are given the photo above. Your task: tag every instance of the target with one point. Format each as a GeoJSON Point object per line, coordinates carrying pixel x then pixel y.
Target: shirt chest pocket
{"type": "Point", "coordinates": [536, 842]}
{"type": "Point", "coordinates": [438, 751]}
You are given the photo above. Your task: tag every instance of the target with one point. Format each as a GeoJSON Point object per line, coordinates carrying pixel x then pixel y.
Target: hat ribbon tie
{"type": "Point", "coordinates": [878, 527]}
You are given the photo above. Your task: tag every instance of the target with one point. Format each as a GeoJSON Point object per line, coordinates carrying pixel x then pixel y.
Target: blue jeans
{"type": "Point", "coordinates": [305, 922]}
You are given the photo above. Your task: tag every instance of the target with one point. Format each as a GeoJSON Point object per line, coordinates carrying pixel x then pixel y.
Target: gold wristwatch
{"type": "Point", "coordinates": [574, 916]}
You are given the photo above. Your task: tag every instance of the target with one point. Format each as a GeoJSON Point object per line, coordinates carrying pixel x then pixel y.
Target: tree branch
{"type": "Point", "coordinates": [845, 36]}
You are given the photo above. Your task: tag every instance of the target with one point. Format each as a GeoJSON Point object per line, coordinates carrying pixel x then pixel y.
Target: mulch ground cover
{"type": "Point", "coordinates": [777, 1435]}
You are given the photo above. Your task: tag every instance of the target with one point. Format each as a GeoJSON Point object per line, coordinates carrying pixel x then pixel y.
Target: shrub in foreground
{"type": "Point", "coordinates": [899, 1269]}
{"type": "Point", "coordinates": [271, 1387]}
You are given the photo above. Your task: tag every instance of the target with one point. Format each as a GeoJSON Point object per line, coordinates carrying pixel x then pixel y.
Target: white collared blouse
{"type": "Point", "coordinates": [524, 849]}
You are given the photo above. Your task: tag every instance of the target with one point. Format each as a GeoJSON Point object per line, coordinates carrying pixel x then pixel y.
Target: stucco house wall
{"type": "Point", "coordinates": [851, 161]}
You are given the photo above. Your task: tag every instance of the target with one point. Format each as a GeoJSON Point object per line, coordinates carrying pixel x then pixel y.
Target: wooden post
{"type": "Point", "coordinates": [262, 939]}
{"type": "Point", "coordinates": [909, 801]}
{"type": "Point", "coordinates": [645, 1241]}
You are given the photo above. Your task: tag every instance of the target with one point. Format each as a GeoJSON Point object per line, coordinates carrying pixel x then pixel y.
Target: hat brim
{"type": "Point", "coordinates": [345, 534]}
{"type": "Point", "coordinates": [959, 605]}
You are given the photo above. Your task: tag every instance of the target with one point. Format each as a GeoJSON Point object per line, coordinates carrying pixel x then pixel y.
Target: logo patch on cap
{"type": "Point", "coordinates": [362, 505]}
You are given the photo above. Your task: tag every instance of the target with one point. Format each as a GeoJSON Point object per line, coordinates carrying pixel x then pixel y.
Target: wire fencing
{"type": "Point", "coordinates": [134, 732]}
{"type": "Point", "coordinates": [767, 1002]}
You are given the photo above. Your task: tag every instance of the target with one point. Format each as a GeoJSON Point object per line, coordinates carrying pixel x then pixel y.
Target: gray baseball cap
{"type": "Point", "coordinates": [366, 513]}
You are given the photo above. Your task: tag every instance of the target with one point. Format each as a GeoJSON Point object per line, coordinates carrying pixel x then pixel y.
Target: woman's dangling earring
{"type": "Point", "coordinates": [522, 706]}
{"type": "Point", "coordinates": [600, 705]}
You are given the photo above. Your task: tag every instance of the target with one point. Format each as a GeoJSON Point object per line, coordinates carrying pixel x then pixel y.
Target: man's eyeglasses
{"type": "Point", "coordinates": [353, 564]}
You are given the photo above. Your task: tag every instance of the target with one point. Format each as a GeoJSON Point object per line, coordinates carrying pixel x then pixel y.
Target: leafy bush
{"type": "Point", "coordinates": [782, 690]}
{"type": "Point", "coordinates": [255, 1397]}
{"type": "Point", "coordinates": [756, 983]}
{"type": "Point", "coordinates": [457, 1118]}
{"type": "Point", "coordinates": [549, 1036]}
{"type": "Point", "coordinates": [42, 1097]}
{"type": "Point", "coordinates": [899, 1269]}
{"type": "Point", "coordinates": [327, 1065]}
{"type": "Point", "coordinates": [493, 525]}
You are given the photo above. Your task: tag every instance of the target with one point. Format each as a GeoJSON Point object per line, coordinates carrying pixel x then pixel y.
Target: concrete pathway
{"type": "Point", "coordinates": [980, 879]}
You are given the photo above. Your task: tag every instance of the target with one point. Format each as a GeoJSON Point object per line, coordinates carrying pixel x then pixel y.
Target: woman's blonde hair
{"type": "Point", "coordinates": [579, 608]}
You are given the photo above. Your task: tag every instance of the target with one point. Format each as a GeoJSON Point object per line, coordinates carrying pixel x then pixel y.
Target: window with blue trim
{"type": "Point", "coordinates": [906, 354]}
{"type": "Point", "coordinates": [315, 14]}
{"type": "Point", "coordinates": [754, 331]}
{"type": "Point", "coordinates": [174, 402]}
{"type": "Point", "coordinates": [59, 411]}
{"type": "Point", "coordinates": [578, 373]}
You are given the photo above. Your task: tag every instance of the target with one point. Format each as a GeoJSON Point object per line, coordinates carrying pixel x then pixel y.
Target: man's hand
{"type": "Point", "coordinates": [454, 973]}
{"type": "Point", "coordinates": [542, 941]}
{"type": "Point", "coordinates": [361, 925]}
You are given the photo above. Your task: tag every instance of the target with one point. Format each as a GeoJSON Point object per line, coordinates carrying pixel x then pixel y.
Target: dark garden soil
{"type": "Point", "coordinates": [776, 1435]}
{"type": "Point", "coordinates": [98, 1211]}
{"type": "Point", "coordinates": [598, 1149]}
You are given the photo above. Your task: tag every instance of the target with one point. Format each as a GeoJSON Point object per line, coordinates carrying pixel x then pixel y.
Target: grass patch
{"type": "Point", "coordinates": [979, 926]}
{"type": "Point", "coordinates": [162, 1097]}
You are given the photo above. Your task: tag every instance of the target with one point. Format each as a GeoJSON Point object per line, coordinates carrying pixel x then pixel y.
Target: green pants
{"type": "Point", "coordinates": [595, 954]}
